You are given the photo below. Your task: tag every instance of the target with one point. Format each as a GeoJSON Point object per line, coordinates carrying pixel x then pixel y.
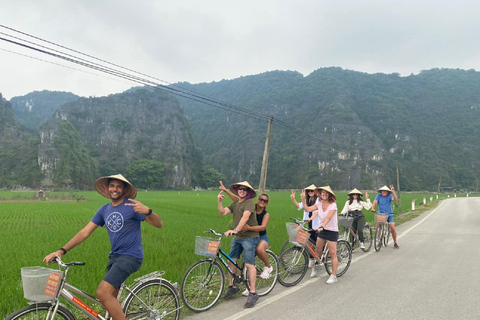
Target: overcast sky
{"type": "Point", "coordinates": [205, 41]}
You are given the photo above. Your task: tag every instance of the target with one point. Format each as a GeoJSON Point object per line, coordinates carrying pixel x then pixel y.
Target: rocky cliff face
{"type": "Point", "coordinates": [121, 128]}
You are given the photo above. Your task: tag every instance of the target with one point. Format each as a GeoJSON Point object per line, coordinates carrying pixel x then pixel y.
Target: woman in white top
{"type": "Point", "coordinates": [353, 208]}
{"type": "Point", "coordinates": [311, 217]}
{"type": "Point", "coordinates": [328, 230]}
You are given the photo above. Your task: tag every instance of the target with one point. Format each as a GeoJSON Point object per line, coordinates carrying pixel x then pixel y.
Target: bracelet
{"type": "Point", "coordinates": [235, 229]}
{"type": "Point", "coordinates": [150, 211]}
{"type": "Point", "coordinates": [63, 249]}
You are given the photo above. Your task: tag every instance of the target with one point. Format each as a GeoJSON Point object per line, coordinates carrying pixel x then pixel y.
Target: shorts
{"type": "Point", "coordinates": [120, 267]}
{"type": "Point", "coordinates": [246, 245]}
{"type": "Point", "coordinates": [264, 237]}
{"type": "Point", "coordinates": [328, 235]}
{"type": "Point", "coordinates": [390, 218]}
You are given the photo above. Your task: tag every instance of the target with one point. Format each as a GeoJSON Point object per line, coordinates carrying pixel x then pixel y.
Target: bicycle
{"type": "Point", "coordinates": [382, 230]}
{"type": "Point", "coordinates": [293, 262]}
{"type": "Point", "coordinates": [151, 298]}
{"type": "Point", "coordinates": [349, 234]}
{"type": "Point", "coordinates": [204, 281]}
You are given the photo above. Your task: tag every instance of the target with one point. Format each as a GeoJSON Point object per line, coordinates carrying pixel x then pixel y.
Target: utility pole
{"type": "Point", "coordinates": [263, 173]}
{"type": "Point", "coordinates": [398, 190]}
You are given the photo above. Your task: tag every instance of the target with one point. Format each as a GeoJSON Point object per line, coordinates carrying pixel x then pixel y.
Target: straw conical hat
{"type": "Point", "coordinates": [101, 185]}
{"type": "Point", "coordinates": [384, 188]}
{"type": "Point", "coordinates": [328, 189]}
{"type": "Point", "coordinates": [311, 187]}
{"type": "Point", "coordinates": [355, 191]}
{"type": "Point", "coordinates": [234, 189]}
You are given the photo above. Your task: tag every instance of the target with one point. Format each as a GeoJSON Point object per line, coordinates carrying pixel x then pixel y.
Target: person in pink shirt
{"type": "Point", "coordinates": [328, 231]}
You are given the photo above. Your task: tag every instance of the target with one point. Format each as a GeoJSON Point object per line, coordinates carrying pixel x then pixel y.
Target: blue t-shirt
{"type": "Point", "coordinates": [123, 225]}
{"type": "Point", "coordinates": [384, 203]}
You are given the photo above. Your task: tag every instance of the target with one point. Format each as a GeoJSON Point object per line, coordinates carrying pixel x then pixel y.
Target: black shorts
{"type": "Point", "coordinates": [328, 235]}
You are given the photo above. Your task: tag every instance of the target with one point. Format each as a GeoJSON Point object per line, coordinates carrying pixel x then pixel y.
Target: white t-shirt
{"type": "Point", "coordinates": [315, 222]}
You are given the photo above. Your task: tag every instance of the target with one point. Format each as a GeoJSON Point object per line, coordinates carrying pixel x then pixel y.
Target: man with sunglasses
{"type": "Point", "coordinates": [243, 211]}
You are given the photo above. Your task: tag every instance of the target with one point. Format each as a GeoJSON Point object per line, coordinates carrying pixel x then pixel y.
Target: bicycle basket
{"type": "Point", "coordinates": [206, 246]}
{"type": "Point", "coordinates": [381, 218]}
{"type": "Point", "coordinates": [296, 234]}
{"type": "Point", "coordinates": [345, 222]}
{"type": "Point", "coordinates": [40, 283]}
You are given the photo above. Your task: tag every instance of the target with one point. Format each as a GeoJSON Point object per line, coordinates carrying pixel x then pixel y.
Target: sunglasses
{"type": "Point", "coordinates": [244, 189]}
{"type": "Point", "coordinates": [264, 200]}
{"type": "Point", "coordinates": [310, 190]}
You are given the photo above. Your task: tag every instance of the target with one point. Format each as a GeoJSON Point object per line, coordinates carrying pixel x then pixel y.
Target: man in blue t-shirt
{"type": "Point", "coordinates": [122, 218]}
{"type": "Point", "coordinates": [384, 200]}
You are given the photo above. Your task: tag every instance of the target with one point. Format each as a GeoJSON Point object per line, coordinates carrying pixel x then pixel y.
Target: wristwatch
{"type": "Point", "coordinates": [235, 229]}
{"type": "Point", "coordinates": [150, 211]}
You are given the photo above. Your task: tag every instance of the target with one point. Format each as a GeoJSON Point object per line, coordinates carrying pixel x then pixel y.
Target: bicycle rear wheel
{"type": "Point", "coordinates": [40, 311]}
{"type": "Point", "coordinates": [367, 238]}
{"type": "Point", "coordinates": [292, 266]}
{"type": "Point", "coordinates": [344, 256]}
{"type": "Point", "coordinates": [378, 237]}
{"type": "Point", "coordinates": [264, 286]}
{"type": "Point", "coordinates": [153, 299]}
{"type": "Point", "coordinates": [202, 285]}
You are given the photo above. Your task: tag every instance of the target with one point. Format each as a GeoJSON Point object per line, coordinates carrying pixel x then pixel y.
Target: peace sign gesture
{"type": "Point", "coordinates": [138, 206]}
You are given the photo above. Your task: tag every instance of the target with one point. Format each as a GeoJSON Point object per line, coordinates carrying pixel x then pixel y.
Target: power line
{"type": "Point", "coordinates": [172, 88]}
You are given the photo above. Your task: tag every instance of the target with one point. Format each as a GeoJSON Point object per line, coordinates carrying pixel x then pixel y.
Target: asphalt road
{"type": "Point", "coordinates": [434, 275]}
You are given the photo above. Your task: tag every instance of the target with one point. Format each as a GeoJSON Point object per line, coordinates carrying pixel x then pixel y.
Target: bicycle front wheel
{"type": "Point", "coordinates": [40, 311]}
{"type": "Point", "coordinates": [367, 238]}
{"type": "Point", "coordinates": [292, 266]}
{"type": "Point", "coordinates": [386, 235]}
{"type": "Point", "coordinates": [153, 299]}
{"type": "Point", "coordinates": [264, 286]}
{"type": "Point", "coordinates": [344, 256]}
{"type": "Point", "coordinates": [202, 285]}
{"type": "Point", "coordinates": [378, 237]}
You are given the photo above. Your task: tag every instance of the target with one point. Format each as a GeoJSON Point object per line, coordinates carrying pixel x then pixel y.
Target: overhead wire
{"type": "Point", "coordinates": [172, 88]}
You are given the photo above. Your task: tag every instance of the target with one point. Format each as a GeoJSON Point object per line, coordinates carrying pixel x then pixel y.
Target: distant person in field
{"type": "Point", "coordinates": [384, 200]}
{"type": "Point", "coordinates": [353, 208]}
{"type": "Point", "coordinates": [311, 217]}
{"type": "Point", "coordinates": [122, 218]}
{"type": "Point", "coordinates": [243, 211]}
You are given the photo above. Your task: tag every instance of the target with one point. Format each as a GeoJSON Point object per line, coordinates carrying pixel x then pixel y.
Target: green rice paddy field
{"type": "Point", "coordinates": [31, 229]}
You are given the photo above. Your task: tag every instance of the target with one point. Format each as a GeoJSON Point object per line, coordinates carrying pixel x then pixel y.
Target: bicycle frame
{"type": "Point", "coordinates": [69, 292]}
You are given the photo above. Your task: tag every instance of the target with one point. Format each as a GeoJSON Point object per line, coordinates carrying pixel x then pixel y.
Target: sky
{"type": "Point", "coordinates": [206, 41]}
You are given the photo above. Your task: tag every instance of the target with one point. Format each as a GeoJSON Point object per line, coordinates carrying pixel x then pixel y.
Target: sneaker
{"type": "Point", "coordinates": [315, 271]}
{"type": "Point", "coordinates": [311, 263]}
{"type": "Point", "coordinates": [362, 245]}
{"type": "Point", "coordinates": [332, 279]}
{"type": "Point", "coordinates": [231, 290]}
{"type": "Point", "coordinates": [245, 293]}
{"type": "Point", "coordinates": [396, 246]}
{"type": "Point", "coordinates": [252, 299]}
{"type": "Point", "coordinates": [266, 272]}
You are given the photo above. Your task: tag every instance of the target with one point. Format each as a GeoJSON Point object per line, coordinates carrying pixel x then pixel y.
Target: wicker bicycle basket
{"type": "Point", "coordinates": [345, 222]}
{"type": "Point", "coordinates": [296, 235]}
{"type": "Point", "coordinates": [206, 246]}
{"type": "Point", "coordinates": [381, 218]}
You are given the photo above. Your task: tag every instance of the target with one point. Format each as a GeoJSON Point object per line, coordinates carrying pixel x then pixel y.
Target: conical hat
{"type": "Point", "coordinates": [311, 187]}
{"type": "Point", "coordinates": [101, 185]}
{"type": "Point", "coordinates": [355, 191]}
{"type": "Point", "coordinates": [328, 189]}
{"type": "Point", "coordinates": [384, 188]}
{"type": "Point", "coordinates": [234, 189]}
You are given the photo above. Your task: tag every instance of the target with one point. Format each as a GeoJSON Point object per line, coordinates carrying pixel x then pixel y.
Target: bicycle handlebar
{"type": "Point", "coordinates": [64, 265]}
{"type": "Point", "coordinates": [301, 224]}
{"type": "Point", "coordinates": [216, 233]}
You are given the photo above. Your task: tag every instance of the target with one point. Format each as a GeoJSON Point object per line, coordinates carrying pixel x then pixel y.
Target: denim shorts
{"type": "Point", "coordinates": [264, 237]}
{"type": "Point", "coordinates": [246, 245]}
{"type": "Point", "coordinates": [328, 235]}
{"type": "Point", "coordinates": [390, 218]}
{"type": "Point", "coordinates": [120, 267]}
